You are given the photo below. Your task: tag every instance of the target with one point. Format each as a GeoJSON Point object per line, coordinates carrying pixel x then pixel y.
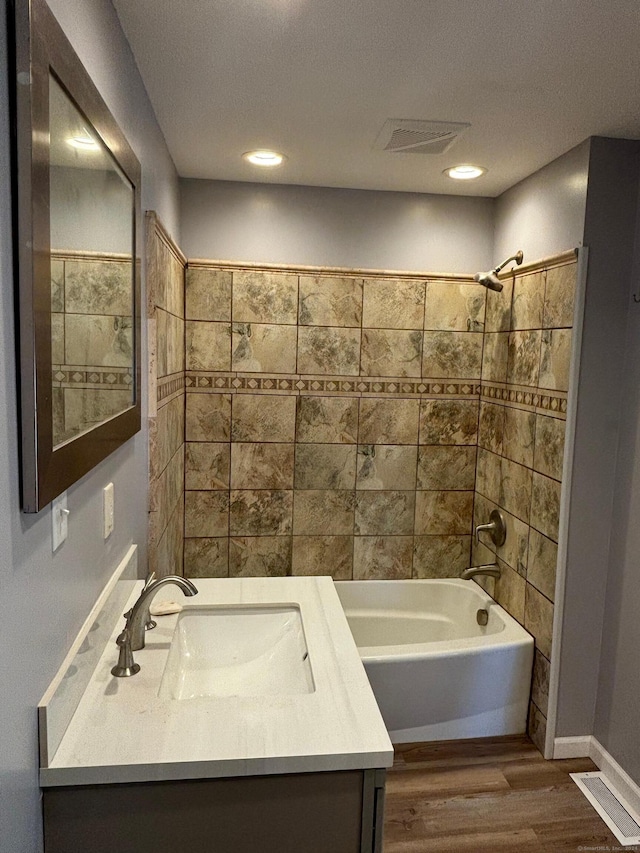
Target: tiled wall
{"type": "Point", "coordinates": [165, 312]}
{"type": "Point", "coordinates": [92, 340]}
{"type": "Point", "coordinates": [331, 422]}
{"type": "Point", "coordinates": [525, 378]}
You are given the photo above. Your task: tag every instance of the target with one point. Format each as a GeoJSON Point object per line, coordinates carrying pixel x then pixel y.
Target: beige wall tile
{"type": "Point", "coordinates": [514, 551]}
{"type": "Point", "coordinates": [448, 421]}
{"type": "Point", "coordinates": [442, 467]}
{"type": "Point", "coordinates": [325, 466]}
{"type": "Point", "coordinates": [259, 556]}
{"type": "Point", "coordinates": [559, 296]}
{"type": "Point", "coordinates": [260, 512]}
{"type": "Point", "coordinates": [393, 304]}
{"type": "Point", "coordinates": [388, 421]}
{"type": "Point", "coordinates": [57, 338]}
{"type": "Point", "coordinates": [175, 332]}
{"type": "Point", "coordinates": [175, 290]}
{"type": "Point", "coordinates": [98, 287]}
{"type": "Point", "coordinates": [263, 417]}
{"type": "Point", "coordinates": [390, 352]}
{"type": "Point", "coordinates": [495, 357]}
{"type": "Point", "coordinates": [207, 346]}
{"type": "Point", "coordinates": [515, 489]}
{"type": "Point", "coordinates": [538, 619]}
{"type": "Point", "coordinates": [381, 513]}
{"type": "Point", "coordinates": [328, 350]}
{"type": "Point", "coordinates": [543, 558]}
{"type": "Point", "coordinates": [386, 466]}
{"type": "Point", "coordinates": [382, 557]}
{"type": "Point", "coordinates": [491, 427]}
{"type": "Point", "coordinates": [206, 558]}
{"type": "Point", "coordinates": [323, 555]}
{"type": "Point", "coordinates": [206, 514]}
{"type": "Point", "coordinates": [320, 512]}
{"type": "Point", "coordinates": [258, 348]}
{"type": "Point", "coordinates": [327, 420]}
{"type": "Point", "coordinates": [98, 340]}
{"type": "Point", "coordinates": [498, 311]}
{"type": "Point", "coordinates": [208, 417]}
{"type": "Point", "coordinates": [170, 551]}
{"type": "Point", "coordinates": [555, 359]}
{"type": "Point", "coordinates": [549, 449]}
{"type": "Point", "coordinates": [528, 298]}
{"type": "Point", "coordinates": [440, 556]}
{"type": "Point", "coordinates": [208, 294]}
{"type": "Point", "coordinates": [545, 505]}
{"type": "Point", "coordinates": [454, 307]}
{"type": "Point", "coordinates": [524, 358]}
{"type": "Point", "coordinates": [166, 434]}
{"type": "Point", "coordinates": [443, 513]}
{"type": "Point", "coordinates": [265, 297]}
{"type": "Point", "coordinates": [166, 491]}
{"type": "Point", "coordinates": [510, 592]}
{"type": "Point", "coordinates": [488, 475]}
{"type": "Point", "coordinates": [330, 301]}
{"type": "Point", "coordinates": [452, 355]}
{"type": "Point", "coordinates": [86, 407]}
{"type": "Point", "coordinates": [540, 683]}
{"type": "Point", "coordinates": [262, 466]}
{"type": "Point", "coordinates": [57, 285]}
{"type": "Point", "coordinates": [161, 342]}
{"type": "Point", "coordinates": [519, 436]}
{"type": "Point", "coordinates": [206, 465]}
{"type": "Point", "coordinates": [537, 727]}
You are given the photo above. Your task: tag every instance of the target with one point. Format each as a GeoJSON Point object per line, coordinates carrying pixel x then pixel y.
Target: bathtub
{"type": "Point", "coordinates": [435, 672]}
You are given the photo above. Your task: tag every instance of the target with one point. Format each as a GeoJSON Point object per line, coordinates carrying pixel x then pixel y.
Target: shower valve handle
{"type": "Point", "coordinates": [496, 527]}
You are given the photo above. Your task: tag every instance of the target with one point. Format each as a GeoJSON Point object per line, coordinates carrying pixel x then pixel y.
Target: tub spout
{"type": "Point", "coordinates": [491, 569]}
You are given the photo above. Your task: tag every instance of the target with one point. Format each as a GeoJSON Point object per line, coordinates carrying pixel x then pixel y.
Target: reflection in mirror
{"type": "Point", "coordinates": [92, 274]}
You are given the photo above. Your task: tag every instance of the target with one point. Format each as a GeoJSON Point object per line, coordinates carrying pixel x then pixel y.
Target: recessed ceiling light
{"type": "Point", "coordinates": [264, 158]}
{"type": "Point", "coordinates": [85, 142]}
{"type": "Point", "coordinates": [465, 172]}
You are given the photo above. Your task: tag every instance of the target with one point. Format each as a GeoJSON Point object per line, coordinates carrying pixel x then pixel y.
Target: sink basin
{"type": "Point", "coordinates": [238, 651]}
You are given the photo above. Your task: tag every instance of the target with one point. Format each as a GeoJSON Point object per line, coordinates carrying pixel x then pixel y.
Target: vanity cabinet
{"type": "Point", "coordinates": [329, 812]}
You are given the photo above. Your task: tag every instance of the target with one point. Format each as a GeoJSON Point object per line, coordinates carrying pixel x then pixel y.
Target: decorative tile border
{"type": "Point", "coordinates": [353, 386]}
{"type": "Point", "coordinates": [169, 387]}
{"type": "Point", "coordinates": [531, 399]}
{"type": "Point", "coordinates": [69, 376]}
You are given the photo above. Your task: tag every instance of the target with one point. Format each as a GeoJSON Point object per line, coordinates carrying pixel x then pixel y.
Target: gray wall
{"type": "Point", "coordinates": [45, 598]}
{"type": "Point", "coordinates": [544, 214]}
{"type": "Point", "coordinates": [618, 697]}
{"type": "Point", "coordinates": [593, 552]}
{"type": "Point", "coordinates": [271, 223]}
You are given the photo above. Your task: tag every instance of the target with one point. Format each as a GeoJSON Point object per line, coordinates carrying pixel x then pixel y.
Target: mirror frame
{"type": "Point", "coordinates": [41, 49]}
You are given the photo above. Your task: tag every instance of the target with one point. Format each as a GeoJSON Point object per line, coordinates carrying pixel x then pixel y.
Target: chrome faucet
{"type": "Point", "coordinates": [139, 620]}
{"type": "Point", "coordinates": [491, 569]}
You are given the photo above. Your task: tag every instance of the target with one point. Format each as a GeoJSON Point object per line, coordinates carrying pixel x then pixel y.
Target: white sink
{"type": "Point", "coordinates": [242, 650]}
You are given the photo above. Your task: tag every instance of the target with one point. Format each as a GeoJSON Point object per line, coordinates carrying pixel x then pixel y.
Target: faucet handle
{"type": "Point", "coordinates": [126, 665]}
{"type": "Point", "coordinates": [496, 528]}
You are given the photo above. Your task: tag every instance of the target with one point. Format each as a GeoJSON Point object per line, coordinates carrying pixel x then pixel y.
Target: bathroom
{"type": "Point", "coordinates": [47, 597]}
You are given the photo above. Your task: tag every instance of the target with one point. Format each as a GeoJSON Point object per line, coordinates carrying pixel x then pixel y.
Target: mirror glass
{"type": "Point", "coordinates": [92, 218]}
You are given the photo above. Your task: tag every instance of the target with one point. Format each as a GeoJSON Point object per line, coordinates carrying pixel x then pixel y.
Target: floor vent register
{"type": "Point", "coordinates": [610, 806]}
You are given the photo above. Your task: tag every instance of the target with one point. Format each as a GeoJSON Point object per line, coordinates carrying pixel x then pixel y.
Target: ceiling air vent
{"type": "Point", "coordinates": [406, 136]}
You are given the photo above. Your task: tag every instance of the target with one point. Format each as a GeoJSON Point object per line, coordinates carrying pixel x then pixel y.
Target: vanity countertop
{"type": "Point", "coordinates": [123, 731]}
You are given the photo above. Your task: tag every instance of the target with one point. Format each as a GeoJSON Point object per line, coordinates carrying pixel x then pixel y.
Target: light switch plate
{"type": "Point", "coordinates": [108, 511]}
{"type": "Point", "coordinates": [59, 520]}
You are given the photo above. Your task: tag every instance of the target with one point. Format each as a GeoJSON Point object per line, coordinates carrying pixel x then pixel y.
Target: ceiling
{"type": "Point", "coordinates": [317, 79]}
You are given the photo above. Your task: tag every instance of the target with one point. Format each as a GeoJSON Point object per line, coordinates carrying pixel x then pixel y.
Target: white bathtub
{"type": "Point", "coordinates": [435, 672]}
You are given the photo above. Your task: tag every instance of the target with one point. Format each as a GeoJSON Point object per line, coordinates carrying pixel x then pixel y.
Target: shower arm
{"type": "Point", "coordinates": [517, 258]}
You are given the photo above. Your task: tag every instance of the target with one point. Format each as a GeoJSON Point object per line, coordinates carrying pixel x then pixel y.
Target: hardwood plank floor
{"type": "Point", "coordinates": [497, 795]}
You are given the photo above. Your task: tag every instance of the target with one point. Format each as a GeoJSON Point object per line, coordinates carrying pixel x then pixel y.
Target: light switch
{"type": "Point", "coordinates": [108, 511]}
{"type": "Point", "coordinates": [59, 520]}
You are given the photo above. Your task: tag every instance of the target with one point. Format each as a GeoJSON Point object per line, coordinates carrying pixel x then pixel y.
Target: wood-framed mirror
{"type": "Point", "coordinates": [77, 225]}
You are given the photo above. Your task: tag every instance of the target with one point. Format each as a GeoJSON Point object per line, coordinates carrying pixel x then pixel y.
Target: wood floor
{"type": "Point", "coordinates": [488, 796]}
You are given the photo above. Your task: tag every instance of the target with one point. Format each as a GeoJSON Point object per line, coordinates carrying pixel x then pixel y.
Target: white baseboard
{"type": "Point", "coordinates": [588, 746]}
{"type": "Point", "coordinates": [572, 747]}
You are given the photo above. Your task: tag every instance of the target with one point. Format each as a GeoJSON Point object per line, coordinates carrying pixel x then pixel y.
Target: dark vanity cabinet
{"type": "Point", "coordinates": [331, 812]}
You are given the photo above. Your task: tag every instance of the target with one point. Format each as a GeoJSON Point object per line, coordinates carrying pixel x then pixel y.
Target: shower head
{"type": "Point", "coordinates": [490, 279]}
